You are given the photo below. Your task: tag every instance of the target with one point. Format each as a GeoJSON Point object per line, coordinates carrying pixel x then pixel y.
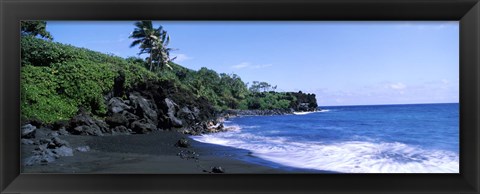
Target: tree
{"type": "Point", "coordinates": [255, 87]}
{"type": "Point", "coordinates": [152, 41]}
{"type": "Point", "coordinates": [261, 86]}
{"type": "Point", "coordinates": [35, 28]}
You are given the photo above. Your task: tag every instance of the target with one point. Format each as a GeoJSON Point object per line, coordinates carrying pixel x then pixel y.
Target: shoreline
{"type": "Point", "coordinates": [153, 153]}
{"type": "Point", "coordinates": [254, 112]}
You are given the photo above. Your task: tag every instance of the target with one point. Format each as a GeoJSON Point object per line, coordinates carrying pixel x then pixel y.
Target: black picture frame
{"type": "Point", "coordinates": [465, 11]}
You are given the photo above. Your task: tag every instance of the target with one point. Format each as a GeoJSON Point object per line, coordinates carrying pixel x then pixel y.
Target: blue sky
{"type": "Point", "coordinates": [343, 63]}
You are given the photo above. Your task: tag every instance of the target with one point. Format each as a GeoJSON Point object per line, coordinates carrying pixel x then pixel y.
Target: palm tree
{"type": "Point", "coordinates": [152, 41]}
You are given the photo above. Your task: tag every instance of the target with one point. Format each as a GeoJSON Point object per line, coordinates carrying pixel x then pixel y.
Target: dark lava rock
{"type": "Point", "coordinates": [37, 123]}
{"type": "Point", "coordinates": [58, 125]}
{"type": "Point", "coordinates": [83, 149]}
{"type": "Point", "coordinates": [53, 134]}
{"type": "Point", "coordinates": [218, 169]}
{"type": "Point", "coordinates": [28, 131]}
{"type": "Point", "coordinates": [27, 141]}
{"type": "Point", "coordinates": [116, 119]}
{"type": "Point", "coordinates": [84, 124]}
{"type": "Point", "coordinates": [56, 142]}
{"type": "Point", "coordinates": [183, 143]}
{"type": "Point", "coordinates": [143, 108]}
{"type": "Point", "coordinates": [119, 84]}
{"type": "Point", "coordinates": [303, 107]}
{"type": "Point", "coordinates": [63, 151]}
{"type": "Point", "coordinates": [142, 127]}
{"type": "Point", "coordinates": [48, 151]}
{"type": "Point", "coordinates": [63, 131]}
{"type": "Point", "coordinates": [117, 105]}
{"type": "Point", "coordinates": [121, 130]}
{"type": "Point", "coordinates": [86, 130]}
{"type": "Point", "coordinates": [172, 109]}
{"type": "Point", "coordinates": [186, 113]}
{"type": "Point", "coordinates": [130, 116]}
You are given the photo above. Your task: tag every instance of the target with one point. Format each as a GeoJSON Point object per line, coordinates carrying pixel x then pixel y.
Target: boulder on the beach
{"type": "Point", "coordinates": [28, 131]}
{"type": "Point", "coordinates": [53, 134]}
{"type": "Point", "coordinates": [218, 169]}
{"type": "Point", "coordinates": [84, 124]}
{"type": "Point", "coordinates": [48, 151]}
{"type": "Point", "coordinates": [83, 149]}
{"type": "Point", "coordinates": [86, 130]}
{"type": "Point", "coordinates": [63, 151]}
{"type": "Point", "coordinates": [62, 131]}
{"type": "Point", "coordinates": [55, 142]}
{"type": "Point", "coordinates": [183, 143]}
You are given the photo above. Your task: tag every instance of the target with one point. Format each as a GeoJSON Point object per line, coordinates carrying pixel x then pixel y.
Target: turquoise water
{"type": "Point", "coordinates": [352, 139]}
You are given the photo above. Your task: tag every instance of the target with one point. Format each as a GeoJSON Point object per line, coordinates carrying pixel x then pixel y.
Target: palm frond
{"type": "Point", "coordinates": [135, 43]}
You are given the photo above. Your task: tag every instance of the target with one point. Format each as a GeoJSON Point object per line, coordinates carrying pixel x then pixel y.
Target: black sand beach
{"type": "Point", "coordinates": [153, 153]}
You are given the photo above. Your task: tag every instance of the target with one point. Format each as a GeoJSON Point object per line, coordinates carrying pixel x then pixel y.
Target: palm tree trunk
{"type": "Point", "coordinates": [150, 62]}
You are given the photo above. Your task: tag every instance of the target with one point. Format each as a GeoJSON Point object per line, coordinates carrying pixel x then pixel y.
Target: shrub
{"type": "Point", "coordinates": [57, 79]}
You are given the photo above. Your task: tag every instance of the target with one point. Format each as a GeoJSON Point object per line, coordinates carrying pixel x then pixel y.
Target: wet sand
{"type": "Point", "coordinates": [153, 153]}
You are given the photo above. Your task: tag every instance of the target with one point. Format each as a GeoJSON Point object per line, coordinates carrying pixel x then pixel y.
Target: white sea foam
{"type": "Point", "coordinates": [347, 157]}
{"type": "Point", "coordinates": [310, 112]}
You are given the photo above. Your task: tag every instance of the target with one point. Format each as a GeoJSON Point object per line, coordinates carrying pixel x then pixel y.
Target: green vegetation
{"type": "Point", "coordinates": [35, 28]}
{"type": "Point", "coordinates": [57, 79]}
{"type": "Point", "coordinates": [152, 41]}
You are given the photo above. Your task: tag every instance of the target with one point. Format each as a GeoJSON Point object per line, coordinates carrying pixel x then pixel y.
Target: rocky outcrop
{"type": "Point", "coordinates": [85, 124]}
{"type": "Point", "coordinates": [149, 107]}
{"type": "Point", "coordinates": [48, 151]}
{"type": "Point", "coordinates": [304, 101]}
{"type": "Point", "coordinates": [116, 105]}
{"type": "Point", "coordinates": [160, 105]}
{"type": "Point", "coordinates": [28, 131]}
{"type": "Point", "coordinates": [143, 108]}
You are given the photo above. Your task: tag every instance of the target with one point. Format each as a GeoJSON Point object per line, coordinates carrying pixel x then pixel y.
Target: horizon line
{"type": "Point", "coordinates": [393, 104]}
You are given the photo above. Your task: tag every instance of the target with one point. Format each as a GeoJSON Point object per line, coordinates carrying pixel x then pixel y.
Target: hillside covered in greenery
{"type": "Point", "coordinates": [58, 80]}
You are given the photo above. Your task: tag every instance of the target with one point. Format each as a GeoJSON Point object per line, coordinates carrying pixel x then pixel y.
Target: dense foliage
{"type": "Point", "coordinates": [58, 79]}
{"type": "Point", "coordinates": [35, 28]}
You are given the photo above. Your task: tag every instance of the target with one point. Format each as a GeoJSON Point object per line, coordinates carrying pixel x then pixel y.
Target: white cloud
{"type": "Point", "coordinates": [241, 65]}
{"type": "Point", "coordinates": [397, 86]}
{"type": "Point", "coordinates": [248, 65]}
{"type": "Point", "coordinates": [181, 57]}
{"type": "Point", "coordinates": [260, 66]}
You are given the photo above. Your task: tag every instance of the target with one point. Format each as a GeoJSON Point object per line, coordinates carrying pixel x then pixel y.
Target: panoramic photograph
{"type": "Point", "coordinates": [256, 97]}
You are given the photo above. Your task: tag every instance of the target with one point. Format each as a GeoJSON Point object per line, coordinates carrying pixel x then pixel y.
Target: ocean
{"type": "Point", "coordinates": [420, 138]}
